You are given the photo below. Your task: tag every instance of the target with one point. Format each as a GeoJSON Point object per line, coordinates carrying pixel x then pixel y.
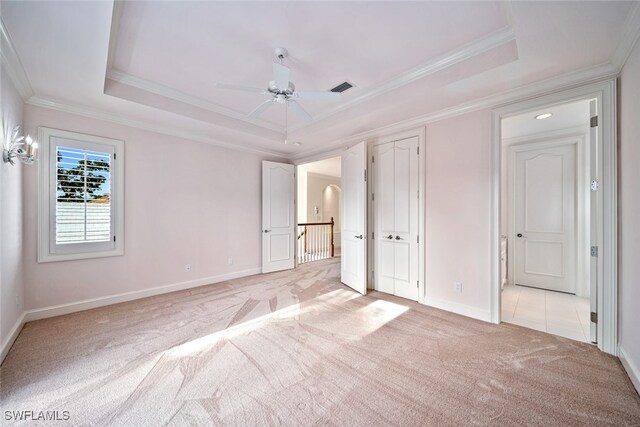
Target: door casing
{"type": "Point", "coordinates": [604, 92]}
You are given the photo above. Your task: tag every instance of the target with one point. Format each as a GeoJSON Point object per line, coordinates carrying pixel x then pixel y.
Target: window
{"type": "Point", "coordinates": [80, 205]}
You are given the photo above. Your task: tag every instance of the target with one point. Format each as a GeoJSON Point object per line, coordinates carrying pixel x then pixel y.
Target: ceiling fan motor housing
{"type": "Point", "coordinates": [273, 89]}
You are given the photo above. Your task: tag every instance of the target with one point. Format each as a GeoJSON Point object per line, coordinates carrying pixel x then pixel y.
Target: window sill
{"type": "Point", "coordinates": [77, 256]}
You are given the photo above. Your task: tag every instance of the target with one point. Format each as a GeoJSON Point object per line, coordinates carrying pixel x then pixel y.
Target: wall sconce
{"type": "Point", "coordinates": [20, 147]}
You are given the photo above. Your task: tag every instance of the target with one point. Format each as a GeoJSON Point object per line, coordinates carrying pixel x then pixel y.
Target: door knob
{"type": "Point", "coordinates": [519, 234]}
{"type": "Point", "coordinates": [359, 237]}
{"type": "Point", "coordinates": [390, 237]}
{"type": "Point", "coordinates": [267, 231]}
{"type": "Point", "coordinates": [398, 238]}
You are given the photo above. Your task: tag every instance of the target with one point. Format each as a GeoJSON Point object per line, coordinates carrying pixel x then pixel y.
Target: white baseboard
{"type": "Point", "coordinates": [15, 331]}
{"type": "Point", "coordinates": [462, 309]}
{"type": "Point", "coordinates": [630, 367]}
{"type": "Point", "coordinates": [58, 310]}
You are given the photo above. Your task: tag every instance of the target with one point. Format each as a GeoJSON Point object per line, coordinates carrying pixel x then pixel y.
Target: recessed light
{"type": "Point", "coordinates": [543, 116]}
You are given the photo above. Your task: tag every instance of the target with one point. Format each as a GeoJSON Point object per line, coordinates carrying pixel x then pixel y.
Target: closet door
{"type": "Point", "coordinates": [395, 203]}
{"type": "Point", "coordinates": [406, 218]}
{"type": "Point", "coordinates": [384, 211]}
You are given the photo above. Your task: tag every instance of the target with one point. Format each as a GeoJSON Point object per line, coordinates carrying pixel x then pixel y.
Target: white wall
{"type": "Point", "coordinates": [11, 225]}
{"type": "Point", "coordinates": [629, 213]}
{"type": "Point", "coordinates": [316, 185]}
{"type": "Point", "coordinates": [458, 214]}
{"type": "Point", "coordinates": [185, 203]}
{"type": "Point", "coordinates": [301, 192]}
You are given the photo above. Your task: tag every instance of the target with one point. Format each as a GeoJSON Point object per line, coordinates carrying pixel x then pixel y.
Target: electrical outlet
{"type": "Point", "coordinates": [187, 267]}
{"type": "Point", "coordinates": [457, 286]}
{"type": "Point", "coordinates": [230, 261]}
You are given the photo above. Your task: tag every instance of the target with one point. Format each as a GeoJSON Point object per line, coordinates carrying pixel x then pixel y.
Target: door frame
{"type": "Point", "coordinates": [604, 92]}
{"type": "Point", "coordinates": [560, 138]}
{"type": "Point", "coordinates": [420, 132]}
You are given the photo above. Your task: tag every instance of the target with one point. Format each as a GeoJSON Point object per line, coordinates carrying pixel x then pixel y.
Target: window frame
{"type": "Point", "coordinates": [48, 249]}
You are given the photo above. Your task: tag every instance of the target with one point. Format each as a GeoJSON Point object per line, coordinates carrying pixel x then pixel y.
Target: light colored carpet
{"type": "Point", "coordinates": [299, 348]}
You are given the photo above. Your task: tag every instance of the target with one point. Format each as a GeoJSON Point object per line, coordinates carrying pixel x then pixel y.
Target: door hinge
{"type": "Point", "coordinates": [594, 251]}
{"type": "Point", "coordinates": [114, 156]}
{"type": "Point", "coordinates": [373, 235]}
{"type": "Point", "coordinates": [595, 185]}
{"type": "Point", "coordinates": [417, 283]}
{"type": "Point", "coordinates": [373, 159]}
{"type": "Point", "coordinates": [365, 175]}
{"type": "Point", "coordinates": [373, 196]}
{"type": "Point", "coordinates": [594, 317]}
{"type": "Point", "coordinates": [417, 239]}
{"type": "Point", "coordinates": [114, 238]}
{"type": "Point", "coordinates": [594, 121]}
{"type": "Point", "coordinates": [418, 151]}
{"type": "Point", "coordinates": [418, 193]}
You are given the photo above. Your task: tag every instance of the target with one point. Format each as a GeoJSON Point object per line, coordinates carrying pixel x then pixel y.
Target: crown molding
{"type": "Point", "coordinates": [85, 111]}
{"type": "Point", "coordinates": [11, 62]}
{"type": "Point", "coordinates": [475, 48]}
{"type": "Point", "coordinates": [630, 36]}
{"type": "Point", "coordinates": [176, 95]}
{"type": "Point", "coordinates": [533, 90]}
{"type": "Point", "coordinates": [562, 82]}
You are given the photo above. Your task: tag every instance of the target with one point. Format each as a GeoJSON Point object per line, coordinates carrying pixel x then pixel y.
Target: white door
{"type": "Point", "coordinates": [395, 178]}
{"type": "Point", "coordinates": [278, 223]}
{"type": "Point", "coordinates": [354, 225]}
{"type": "Point", "coordinates": [545, 251]}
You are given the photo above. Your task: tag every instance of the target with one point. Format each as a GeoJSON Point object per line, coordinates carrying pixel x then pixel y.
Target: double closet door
{"type": "Point", "coordinates": [395, 215]}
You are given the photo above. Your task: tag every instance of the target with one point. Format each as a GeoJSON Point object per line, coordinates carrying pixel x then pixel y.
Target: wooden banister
{"type": "Point", "coordinates": [316, 223]}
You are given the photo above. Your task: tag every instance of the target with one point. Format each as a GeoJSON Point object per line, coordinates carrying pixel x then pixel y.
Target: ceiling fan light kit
{"type": "Point", "coordinates": [283, 91]}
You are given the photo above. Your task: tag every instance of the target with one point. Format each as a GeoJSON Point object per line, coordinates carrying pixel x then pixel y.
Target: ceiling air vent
{"type": "Point", "coordinates": [342, 87]}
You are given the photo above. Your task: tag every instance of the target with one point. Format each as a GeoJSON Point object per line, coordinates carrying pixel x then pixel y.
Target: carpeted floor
{"type": "Point", "coordinates": [299, 348]}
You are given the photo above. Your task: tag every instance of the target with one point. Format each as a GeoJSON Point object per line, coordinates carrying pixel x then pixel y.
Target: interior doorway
{"type": "Point", "coordinates": [546, 217]}
{"type": "Point", "coordinates": [318, 210]}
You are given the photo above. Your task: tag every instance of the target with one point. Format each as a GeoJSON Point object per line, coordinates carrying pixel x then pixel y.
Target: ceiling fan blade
{"type": "Point", "coordinates": [261, 108]}
{"type": "Point", "coordinates": [281, 76]}
{"type": "Point", "coordinates": [240, 87]}
{"type": "Point", "coordinates": [299, 111]}
{"type": "Point", "coordinates": [319, 96]}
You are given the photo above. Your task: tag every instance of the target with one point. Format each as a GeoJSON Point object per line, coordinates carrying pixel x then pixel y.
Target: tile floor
{"type": "Point", "coordinates": [553, 312]}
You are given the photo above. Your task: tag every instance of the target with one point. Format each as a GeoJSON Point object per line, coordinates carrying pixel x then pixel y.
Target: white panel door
{"type": "Point", "coordinates": [395, 178]}
{"type": "Point", "coordinates": [406, 218]}
{"type": "Point", "coordinates": [545, 253]}
{"type": "Point", "coordinates": [278, 223]}
{"type": "Point", "coordinates": [382, 179]}
{"type": "Point", "coordinates": [354, 224]}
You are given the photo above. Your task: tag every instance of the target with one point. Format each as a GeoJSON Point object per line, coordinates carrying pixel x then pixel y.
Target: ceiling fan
{"type": "Point", "coordinates": [282, 91]}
